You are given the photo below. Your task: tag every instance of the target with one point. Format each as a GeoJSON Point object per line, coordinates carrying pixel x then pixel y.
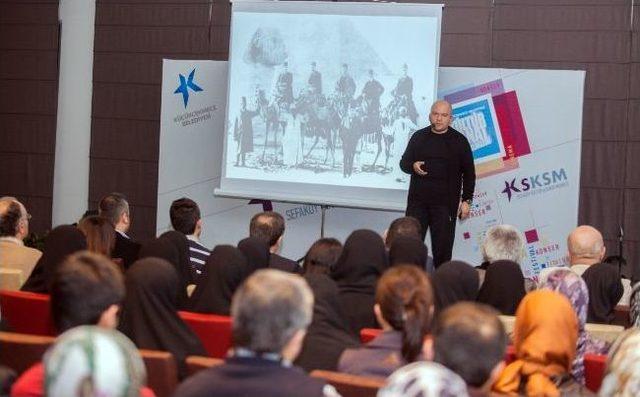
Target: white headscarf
{"type": "Point", "coordinates": [425, 379]}
{"type": "Point", "coordinates": [89, 361]}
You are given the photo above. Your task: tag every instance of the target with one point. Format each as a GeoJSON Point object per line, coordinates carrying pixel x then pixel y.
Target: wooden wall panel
{"type": "Point", "coordinates": [28, 102]}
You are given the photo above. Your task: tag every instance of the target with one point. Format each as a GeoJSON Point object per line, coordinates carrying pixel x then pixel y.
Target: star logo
{"type": "Point", "coordinates": [185, 84]}
{"type": "Point", "coordinates": [509, 187]}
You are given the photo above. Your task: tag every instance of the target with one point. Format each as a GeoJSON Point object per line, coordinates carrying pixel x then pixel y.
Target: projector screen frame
{"type": "Point", "coordinates": [397, 201]}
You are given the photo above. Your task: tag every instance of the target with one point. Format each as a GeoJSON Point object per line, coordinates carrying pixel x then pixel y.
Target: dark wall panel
{"type": "Point", "coordinates": [28, 102]}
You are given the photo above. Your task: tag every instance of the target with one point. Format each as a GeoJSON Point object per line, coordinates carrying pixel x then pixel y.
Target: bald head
{"type": "Point", "coordinates": [585, 245]}
{"type": "Point", "coordinates": [13, 218]}
{"type": "Point", "coordinates": [440, 116]}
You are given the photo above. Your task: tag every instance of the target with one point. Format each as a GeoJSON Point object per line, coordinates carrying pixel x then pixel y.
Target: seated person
{"type": "Point", "coordinates": [185, 218]}
{"type": "Point", "coordinates": [469, 339]}
{"type": "Point", "coordinates": [622, 375]}
{"type": "Point", "coordinates": [271, 312]}
{"type": "Point", "coordinates": [503, 287]}
{"type": "Point", "coordinates": [269, 227]}
{"type": "Point", "coordinates": [97, 361]}
{"type": "Point", "coordinates": [404, 308]}
{"type": "Point", "coordinates": [605, 290]}
{"type": "Point", "coordinates": [545, 342]}
{"type": "Point", "coordinates": [322, 256]}
{"type": "Point", "coordinates": [87, 289]}
{"type": "Point", "coordinates": [100, 234]}
{"type": "Point", "coordinates": [14, 227]}
{"type": "Point", "coordinates": [424, 379]}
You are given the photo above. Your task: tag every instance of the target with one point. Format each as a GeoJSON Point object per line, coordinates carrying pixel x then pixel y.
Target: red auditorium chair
{"type": "Point", "coordinates": [594, 366]}
{"type": "Point", "coordinates": [214, 331]}
{"type": "Point", "coordinates": [27, 313]}
{"type": "Point", "coordinates": [367, 334]}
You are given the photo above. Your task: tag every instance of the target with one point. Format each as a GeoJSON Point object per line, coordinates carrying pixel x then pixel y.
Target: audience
{"type": "Point", "coordinates": [89, 361]}
{"type": "Point", "coordinates": [14, 227]}
{"type": "Point", "coordinates": [87, 289]}
{"type": "Point", "coordinates": [362, 261]}
{"type": "Point", "coordinates": [115, 208]}
{"type": "Point", "coordinates": [503, 286]}
{"type": "Point", "coordinates": [225, 269]}
{"type": "Point", "coordinates": [622, 375]}
{"type": "Point", "coordinates": [605, 291]}
{"type": "Point", "coordinates": [503, 243]}
{"type": "Point", "coordinates": [149, 314]}
{"type": "Point", "coordinates": [408, 251]}
{"type": "Point", "coordinates": [185, 218]}
{"type": "Point", "coordinates": [328, 335]}
{"type": "Point", "coordinates": [470, 340]}
{"type": "Point", "coordinates": [572, 286]}
{"type": "Point", "coordinates": [424, 379]}
{"type": "Point", "coordinates": [61, 242]}
{"type": "Point", "coordinates": [270, 312]}
{"type": "Point", "coordinates": [180, 242]}
{"type": "Point", "coordinates": [322, 256]}
{"type": "Point", "coordinates": [454, 281]}
{"type": "Point", "coordinates": [100, 234]}
{"type": "Point", "coordinates": [269, 227]}
{"type": "Point", "coordinates": [256, 251]}
{"type": "Point", "coordinates": [545, 343]}
{"type": "Point", "coordinates": [404, 308]}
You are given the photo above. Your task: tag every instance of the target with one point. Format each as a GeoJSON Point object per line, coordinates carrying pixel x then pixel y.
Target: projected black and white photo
{"type": "Point", "coordinates": [327, 99]}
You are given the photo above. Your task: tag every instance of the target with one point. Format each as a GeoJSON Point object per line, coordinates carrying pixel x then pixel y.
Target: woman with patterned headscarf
{"type": "Point", "coordinates": [622, 376]}
{"type": "Point", "coordinates": [545, 338]}
{"type": "Point", "coordinates": [89, 361]}
{"type": "Point", "coordinates": [569, 284]}
{"type": "Point", "coordinates": [424, 379]}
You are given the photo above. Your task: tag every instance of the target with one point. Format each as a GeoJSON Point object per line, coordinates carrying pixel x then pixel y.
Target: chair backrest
{"type": "Point", "coordinates": [606, 332]}
{"type": "Point", "coordinates": [594, 367]}
{"type": "Point", "coordinates": [162, 374]}
{"type": "Point", "coordinates": [350, 385]}
{"type": "Point", "coordinates": [27, 313]}
{"type": "Point", "coordinates": [196, 364]}
{"type": "Point", "coordinates": [10, 279]}
{"type": "Point", "coordinates": [367, 334]}
{"type": "Point", "coordinates": [21, 351]}
{"type": "Point", "coordinates": [214, 331]}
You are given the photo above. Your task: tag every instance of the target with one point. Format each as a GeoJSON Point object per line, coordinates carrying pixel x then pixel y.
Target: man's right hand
{"type": "Point", "coordinates": [417, 168]}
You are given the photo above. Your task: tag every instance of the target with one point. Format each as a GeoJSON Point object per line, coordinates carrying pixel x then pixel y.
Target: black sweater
{"type": "Point", "coordinates": [456, 166]}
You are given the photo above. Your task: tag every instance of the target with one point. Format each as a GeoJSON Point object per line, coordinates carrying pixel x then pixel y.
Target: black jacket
{"type": "Point", "coordinates": [460, 165]}
{"type": "Point", "coordinates": [286, 265]}
{"type": "Point", "coordinates": [125, 249]}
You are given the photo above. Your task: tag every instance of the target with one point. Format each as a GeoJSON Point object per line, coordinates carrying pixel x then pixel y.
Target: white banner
{"type": "Point", "coordinates": [524, 127]}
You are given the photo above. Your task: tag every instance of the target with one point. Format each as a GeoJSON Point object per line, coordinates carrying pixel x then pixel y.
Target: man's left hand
{"type": "Point", "coordinates": [463, 210]}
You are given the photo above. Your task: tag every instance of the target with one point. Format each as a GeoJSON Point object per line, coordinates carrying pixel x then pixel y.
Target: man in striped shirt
{"type": "Point", "coordinates": [185, 218]}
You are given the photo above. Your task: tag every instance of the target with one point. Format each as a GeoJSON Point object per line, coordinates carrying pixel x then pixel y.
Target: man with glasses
{"type": "Point", "coordinates": [16, 260]}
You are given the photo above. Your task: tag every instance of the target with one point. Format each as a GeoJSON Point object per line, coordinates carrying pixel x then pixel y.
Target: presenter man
{"type": "Point", "coordinates": [443, 178]}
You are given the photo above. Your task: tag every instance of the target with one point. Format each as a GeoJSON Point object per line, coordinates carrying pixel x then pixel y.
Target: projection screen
{"type": "Point", "coordinates": [323, 97]}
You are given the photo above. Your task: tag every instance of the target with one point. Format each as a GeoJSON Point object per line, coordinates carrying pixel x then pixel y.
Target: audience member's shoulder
{"type": "Point", "coordinates": [286, 265]}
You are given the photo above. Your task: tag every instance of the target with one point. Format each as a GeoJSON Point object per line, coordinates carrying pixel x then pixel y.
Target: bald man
{"type": "Point", "coordinates": [14, 256]}
{"type": "Point", "coordinates": [440, 162]}
{"type": "Point", "coordinates": [586, 248]}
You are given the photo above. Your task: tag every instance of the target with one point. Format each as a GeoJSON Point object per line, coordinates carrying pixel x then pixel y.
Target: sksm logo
{"type": "Point", "coordinates": [542, 182]}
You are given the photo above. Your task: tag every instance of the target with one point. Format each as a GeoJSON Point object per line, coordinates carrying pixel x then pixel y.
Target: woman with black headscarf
{"type": "Point", "coordinates": [328, 335]}
{"type": "Point", "coordinates": [181, 243]}
{"type": "Point", "coordinates": [408, 251]}
{"type": "Point", "coordinates": [149, 314]}
{"type": "Point", "coordinates": [61, 242]}
{"type": "Point", "coordinates": [454, 281]}
{"type": "Point", "coordinates": [164, 249]}
{"type": "Point", "coordinates": [357, 271]}
{"type": "Point", "coordinates": [224, 271]}
{"type": "Point", "coordinates": [503, 287]}
{"type": "Point", "coordinates": [605, 291]}
{"type": "Point", "coordinates": [257, 253]}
